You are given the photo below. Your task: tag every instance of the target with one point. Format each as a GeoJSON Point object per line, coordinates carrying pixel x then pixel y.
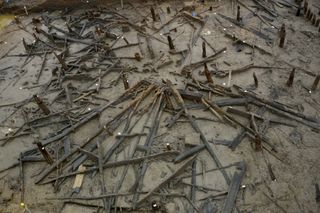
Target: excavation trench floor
{"type": "Point", "coordinates": [78, 62]}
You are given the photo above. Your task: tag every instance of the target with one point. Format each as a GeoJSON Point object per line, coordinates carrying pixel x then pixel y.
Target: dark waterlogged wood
{"type": "Point", "coordinates": [234, 188]}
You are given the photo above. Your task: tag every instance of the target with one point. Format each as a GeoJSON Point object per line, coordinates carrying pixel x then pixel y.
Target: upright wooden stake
{"type": "Point", "coordinates": [282, 35]}
{"type": "Point", "coordinates": [125, 81]}
{"type": "Point", "coordinates": [313, 19]}
{"type": "Point", "coordinates": [207, 73]}
{"type": "Point", "coordinates": [299, 8]}
{"type": "Point", "coordinates": [291, 77]}
{"type": "Point", "coordinates": [44, 153]}
{"type": "Point", "coordinates": [204, 51]}
{"type": "Point", "coordinates": [308, 14]}
{"type": "Point", "coordinates": [153, 14]}
{"type": "Point", "coordinates": [238, 14]}
{"type": "Point", "coordinates": [41, 105]}
{"type": "Point", "coordinates": [17, 19]}
{"type": "Point", "coordinates": [137, 56]}
{"type": "Point", "coordinates": [315, 83]}
{"type": "Point", "coordinates": [171, 46]}
{"type": "Point", "coordinates": [305, 7]}
{"type": "Point", "coordinates": [168, 10]}
{"type": "Point", "coordinates": [256, 82]}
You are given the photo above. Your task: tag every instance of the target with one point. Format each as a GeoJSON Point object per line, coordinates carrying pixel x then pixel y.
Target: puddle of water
{"type": "Point", "coordinates": [5, 20]}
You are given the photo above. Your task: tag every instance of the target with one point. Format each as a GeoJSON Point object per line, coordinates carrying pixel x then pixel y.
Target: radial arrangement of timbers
{"type": "Point", "coordinates": [124, 115]}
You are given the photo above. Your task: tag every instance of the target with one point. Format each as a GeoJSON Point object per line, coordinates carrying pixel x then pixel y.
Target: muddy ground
{"type": "Point", "coordinates": [290, 187]}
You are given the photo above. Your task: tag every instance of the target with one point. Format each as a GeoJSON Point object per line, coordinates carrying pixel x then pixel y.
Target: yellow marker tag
{"type": "Point", "coordinates": [22, 205]}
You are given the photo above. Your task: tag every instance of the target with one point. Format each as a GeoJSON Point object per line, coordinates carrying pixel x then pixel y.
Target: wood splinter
{"type": "Point", "coordinates": [204, 51]}
{"type": "Point", "coordinates": [44, 153]}
{"type": "Point", "coordinates": [207, 73]}
{"type": "Point", "coordinates": [171, 46]}
{"type": "Point", "coordinates": [291, 77]}
{"type": "Point", "coordinates": [282, 35]}
{"type": "Point", "coordinates": [41, 105]}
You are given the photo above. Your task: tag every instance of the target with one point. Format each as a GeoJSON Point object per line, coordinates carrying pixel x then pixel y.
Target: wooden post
{"type": "Point", "coordinates": [256, 82]}
{"type": "Point", "coordinates": [153, 14]}
{"type": "Point", "coordinates": [17, 19]}
{"type": "Point", "coordinates": [305, 7]}
{"type": "Point", "coordinates": [137, 56]}
{"type": "Point", "coordinates": [313, 19]}
{"type": "Point", "coordinates": [238, 14]}
{"type": "Point", "coordinates": [308, 14]}
{"type": "Point", "coordinates": [125, 81]}
{"type": "Point", "coordinates": [41, 105]}
{"type": "Point", "coordinates": [44, 153]}
{"type": "Point", "coordinates": [299, 8]}
{"type": "Point", "coordinates": [168, 146]}
{"type": "Point", "coordinates": [207, 73]}
{"type": "Point", "coordinates": [168, 10]}
{"type": "Point", "coordinates": [282, 35]}
{"type": "Point", "coordinates": [291, 78]}
{"type": "Point", "coordinates": [204, 51]}
{"type": "Point", "coordinates": [315, 83]}
{"type": "Point", "coordinates": [171, 46]}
